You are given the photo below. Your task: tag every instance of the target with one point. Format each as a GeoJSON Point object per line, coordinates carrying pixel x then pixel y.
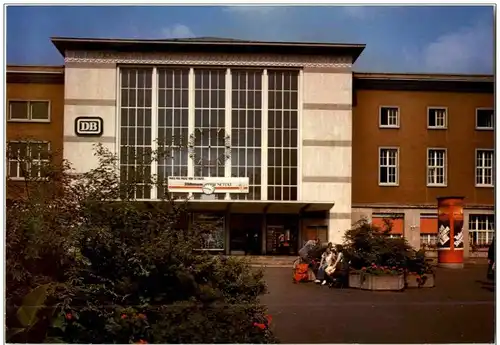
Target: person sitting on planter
{"type": "Point", "coordinates": [307, 249]}
{"type": "Point", "coordinates": [339, 274]}
{"type": "Point", "coordinates": [326, 261]}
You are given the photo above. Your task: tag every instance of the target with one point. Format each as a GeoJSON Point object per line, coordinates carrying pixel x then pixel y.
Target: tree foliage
{"type": "Point", "coordinates": [115, 270]}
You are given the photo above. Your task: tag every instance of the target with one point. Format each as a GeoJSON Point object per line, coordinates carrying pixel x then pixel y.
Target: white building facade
{"type": "Point", "coordinates": [232, 110]}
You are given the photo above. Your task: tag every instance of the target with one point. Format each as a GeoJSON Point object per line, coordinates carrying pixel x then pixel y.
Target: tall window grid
{"type": "Point", "coordinates": [173, 118]}
{"type": "Point", "coordinates": [436, 167]}
{"type": "Point", "coordinates": [136, 131]}
{"type": "Point", "coordinates": [481, 229]}
{"type": "Point", "coordinates": [484, 168]}
{"type": "Point", "coordinates": [26, 159]}
{"type": "Point", "coordinates": [246, 123]}
{"type": "Point", "coordinates": [388, 166]}
{"type": "Point", "coordinates": [282, 135]}
{"type": "Point", "coordinates": [210, 121]}
{"type": "Point", "coordinates": [196, 108]}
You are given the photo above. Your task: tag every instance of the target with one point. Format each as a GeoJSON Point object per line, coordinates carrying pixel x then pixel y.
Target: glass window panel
{"type": "Point", "coordinates": [39, 110]}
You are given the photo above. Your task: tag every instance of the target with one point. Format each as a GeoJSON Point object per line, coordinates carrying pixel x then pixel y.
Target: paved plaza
{"type": "Point", "coordinates": [460, 309]}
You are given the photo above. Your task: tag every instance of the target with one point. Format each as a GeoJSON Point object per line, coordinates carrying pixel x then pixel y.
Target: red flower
{"type": "Point", "coordinates": [124, 316]}
{"type": "Point", "coordinates": [363, 268]}
{"type": "Point", "coordinates": [260, 325]}
{"type": "Point", "coordinates": [269, 319]}
{"type": "Point", "coordinates": [142, 316]}
{"type": "Point", "coordinates": [393, 267]}
{"type": "Point", "coordinates": [69, 316]}
{"type": "Point", "coordinates": [142, 341]}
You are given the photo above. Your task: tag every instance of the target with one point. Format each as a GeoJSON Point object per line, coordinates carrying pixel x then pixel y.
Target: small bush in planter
{"type": "Point", "coordinates": [367, 246]}
{"type": "Point", "coordinates": [418, 265]}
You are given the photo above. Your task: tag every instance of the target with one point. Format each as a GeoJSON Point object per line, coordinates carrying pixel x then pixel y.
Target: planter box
{"type": "Point", "coordinates": [376, 283]}
{"type": "Point", "coordinates": [411, 281]}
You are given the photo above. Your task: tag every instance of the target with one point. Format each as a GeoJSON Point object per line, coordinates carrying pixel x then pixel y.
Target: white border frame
{"type": "Point", "coordinates": [485, 128]}
{"type": "Point", "coordinates": [29, 120]}
{"type": "Point", "coordinates": [385, 184]}
{"type": "Point", "coordinates": [493, 170]}
{"type": "Point", "coordinates": [445, 117]}
{"type": "Point", "coordinates": [433, 185]}
{"type": "Point", "coordinates": [398, 118]}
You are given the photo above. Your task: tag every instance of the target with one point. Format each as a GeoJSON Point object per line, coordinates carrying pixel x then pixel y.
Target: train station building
{"type": "Point", "coordinates": [269, 140]}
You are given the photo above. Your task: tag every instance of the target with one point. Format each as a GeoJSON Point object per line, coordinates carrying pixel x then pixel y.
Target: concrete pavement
{"type": "Point", "coordinates": [460, 309]}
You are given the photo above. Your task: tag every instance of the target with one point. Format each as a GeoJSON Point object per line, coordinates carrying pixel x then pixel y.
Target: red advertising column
{"type": "Point", "coordinates": [450, 241]}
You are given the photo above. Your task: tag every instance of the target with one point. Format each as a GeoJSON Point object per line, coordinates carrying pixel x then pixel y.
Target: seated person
{"type": "Point", "coordinates": [326, 261]}
{"type": "Point", "coordinates": [307, 249]}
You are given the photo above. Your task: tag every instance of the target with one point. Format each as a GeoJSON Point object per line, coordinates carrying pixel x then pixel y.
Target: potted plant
{"type": "Point", "coordinates": [376, 261]}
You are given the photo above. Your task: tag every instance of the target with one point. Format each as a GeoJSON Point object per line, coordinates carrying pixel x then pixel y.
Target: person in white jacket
{"type": "Point", "coordinates": [326, 260]}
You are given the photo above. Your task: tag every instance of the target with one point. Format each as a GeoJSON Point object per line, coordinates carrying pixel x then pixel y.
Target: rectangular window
{"type": "Point", "coordinates": [428, 241]}
{"type": "Point", "coordinates": [436, 167]}
{"type": "Point", "coordinates": [282, 135]}
{"type": "Point", "coordinates": [27, 159]}
{"type": "Point", "coordinates": [484, 168]}
{"type": "Point", "coordinates": [481, 229]}
{"type": "Point", "coordinates": [136, 132]}
{"type": "Point", "coordinates": [389, 117]}
{"type": "Point", "coordinates": [484, 119]}
{"type": "Point", "coordinates": [388, 166]}
{"type": "Point", "coordinates": [246, 133]}
{"type": "Point", "coordinates": [173, 116]}
{"type": "Point", "coordinates": [32, 111]}
{"type": "Point", "coordinates": [437, 118]}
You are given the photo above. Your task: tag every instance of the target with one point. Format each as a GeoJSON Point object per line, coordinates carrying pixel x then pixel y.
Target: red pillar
{"type": "Point", "coordinates": [450, 239]}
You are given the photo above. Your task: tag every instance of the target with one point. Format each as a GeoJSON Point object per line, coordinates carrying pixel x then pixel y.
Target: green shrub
{"type": "Point", "coordinates": [124, 271]}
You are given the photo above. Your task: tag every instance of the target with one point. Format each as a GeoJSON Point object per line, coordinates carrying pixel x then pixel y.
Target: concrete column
{"type": "Point", "coordinates": [412, 227]}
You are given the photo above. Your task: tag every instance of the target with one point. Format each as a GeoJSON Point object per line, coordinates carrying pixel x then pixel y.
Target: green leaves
{"type": "Point", "coordinates": [32, 303]}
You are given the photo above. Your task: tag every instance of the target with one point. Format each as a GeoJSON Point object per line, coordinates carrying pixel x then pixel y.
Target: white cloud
{"type": "Point", "coordinates": [468, 50]}
{"type": "Point", "coordinates": [176, 31]}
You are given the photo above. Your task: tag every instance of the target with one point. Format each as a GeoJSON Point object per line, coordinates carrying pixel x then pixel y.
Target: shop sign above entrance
{"type": "Point", "coordinates": [208, 185]}
{"type": "Point", "coordinates": [88, 126]}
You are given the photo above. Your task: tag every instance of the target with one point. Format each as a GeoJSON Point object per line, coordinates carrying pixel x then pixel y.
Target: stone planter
{"type": "Point", "coordinates": [411, 281]}
{"type": "Point", "coordinates": [376, 283]}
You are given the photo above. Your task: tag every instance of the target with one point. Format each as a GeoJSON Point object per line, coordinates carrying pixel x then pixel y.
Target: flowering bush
{"type": "Point", "coordinates": [371, 248]}
{"type": "Point", "coordinates": [121, 272]}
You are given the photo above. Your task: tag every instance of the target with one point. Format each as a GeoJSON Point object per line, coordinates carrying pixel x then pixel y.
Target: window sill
{"type": "Point", "coordinates": [437, 127]}
{"type": "Point", "coordinates": [28, 121]}
{"type": "Point", "coordinates": [388, 184]}
{"type": "Point", "coordinates": [388, 126]}
{"type": "Point", "coordinates": [435, 185]}
{"type": "Point", "coordinates": [485, 129]}
{"type": "Point", "coordinates": [34, 179]}
{"type": "Point", "coordinates": [484, 186]}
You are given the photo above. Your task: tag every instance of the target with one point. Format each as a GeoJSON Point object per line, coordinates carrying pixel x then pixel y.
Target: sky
{"type": "Point", "coordinates": [405, 39]}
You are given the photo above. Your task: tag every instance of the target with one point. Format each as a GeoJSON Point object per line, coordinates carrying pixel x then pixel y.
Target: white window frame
{"type": "Point", "coordinates": [429, 240]}
{"type": "Point", "coordinates": [389, 125]}
{"type": "Point", "coordinates": [445, 167]}
{"type": "Point", "coordinates": [484, 185]}
{"type": "Point", "coordinates": [388, 184]}
{"type": "Point", "coordinates": [29, 119]}
{"type": "Point", "coordinates": [492, 120]}
{"type": "Point", "coordinates": [28, 143]}
{"type": "Point", "coordinates": [445, 120]}
{"type": "Point", "coordinates": [475, 220]}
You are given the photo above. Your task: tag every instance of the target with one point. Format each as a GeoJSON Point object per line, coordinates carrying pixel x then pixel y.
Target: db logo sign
{"type": "Point", "coordinates": [88, 126]}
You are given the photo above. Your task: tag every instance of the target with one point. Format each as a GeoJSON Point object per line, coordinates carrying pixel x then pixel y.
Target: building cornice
{"type": "Point", "coordinates": [209, 59]}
